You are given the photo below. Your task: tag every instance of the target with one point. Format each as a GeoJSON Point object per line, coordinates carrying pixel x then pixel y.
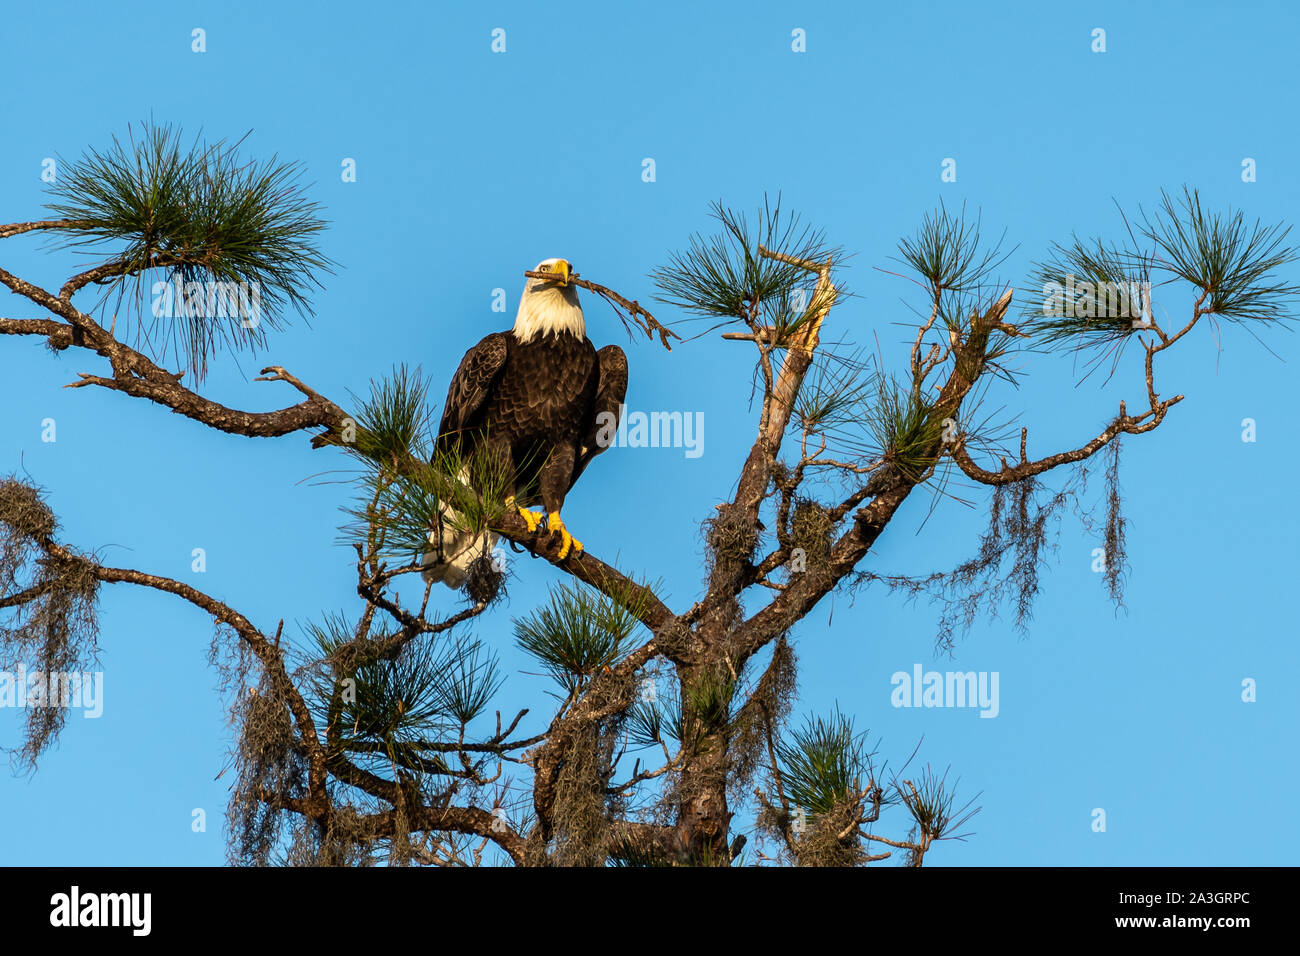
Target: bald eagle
{"type": "Point", "coordinates": [539, 398]}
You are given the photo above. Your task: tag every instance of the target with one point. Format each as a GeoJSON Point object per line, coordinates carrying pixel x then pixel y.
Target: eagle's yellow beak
{"type": "Point", "coordinates": [563, 269]}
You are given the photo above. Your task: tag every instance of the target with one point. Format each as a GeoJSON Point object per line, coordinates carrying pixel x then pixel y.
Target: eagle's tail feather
{"type": "Point", "coordinates": [454, 551]}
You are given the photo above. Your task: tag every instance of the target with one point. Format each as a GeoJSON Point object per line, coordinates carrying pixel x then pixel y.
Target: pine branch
{"type": "Point", "coordinates": [192, 214]}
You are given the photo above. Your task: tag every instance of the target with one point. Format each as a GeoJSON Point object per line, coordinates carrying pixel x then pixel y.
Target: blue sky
{"type": "Point", "coordinates": [472, 166]}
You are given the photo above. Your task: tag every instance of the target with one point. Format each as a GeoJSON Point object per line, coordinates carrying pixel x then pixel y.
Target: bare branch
{"type": "Point", "coordinates": [625, 308]}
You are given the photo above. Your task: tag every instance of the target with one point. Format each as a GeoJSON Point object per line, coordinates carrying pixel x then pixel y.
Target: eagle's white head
{"type": "Point", "coordinates": [550, 306]}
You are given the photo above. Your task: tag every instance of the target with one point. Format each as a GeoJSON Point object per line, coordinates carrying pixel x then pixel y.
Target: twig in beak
{"type": "Point", "coordinates": [625, 309]}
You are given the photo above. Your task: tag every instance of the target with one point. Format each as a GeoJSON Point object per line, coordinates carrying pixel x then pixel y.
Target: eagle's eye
{"type": "Point", "coordinates": [543, 268]}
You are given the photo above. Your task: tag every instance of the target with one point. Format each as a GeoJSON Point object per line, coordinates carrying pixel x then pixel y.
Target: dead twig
{"type": "Point", "coordinates": [628, 310]}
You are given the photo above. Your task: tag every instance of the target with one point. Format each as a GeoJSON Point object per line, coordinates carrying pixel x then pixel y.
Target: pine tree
{"type": "Point", "coordinates": [359, 741]}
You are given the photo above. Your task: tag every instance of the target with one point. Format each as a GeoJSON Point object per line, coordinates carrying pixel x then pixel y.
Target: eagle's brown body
{"type": "Point", "coordinates": [538, 403]}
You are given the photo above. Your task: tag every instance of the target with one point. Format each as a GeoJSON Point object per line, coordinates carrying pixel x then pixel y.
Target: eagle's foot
{"type": "Point", "coordinates": [567, 541]}
{"type": "Point", "coordinates": [532, 518]}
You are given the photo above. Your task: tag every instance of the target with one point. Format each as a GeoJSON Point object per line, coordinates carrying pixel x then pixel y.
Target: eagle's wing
{"type": "Point", "coordinates": [603, 418]}
{"type": "Point", "coordinates": [478, 372]}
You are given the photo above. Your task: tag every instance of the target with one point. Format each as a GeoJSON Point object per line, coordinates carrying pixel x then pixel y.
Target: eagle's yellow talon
{"type": "Point", "coordinates": [532, 518]}
{"type": "Point", "coordinates": [567, 541]}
